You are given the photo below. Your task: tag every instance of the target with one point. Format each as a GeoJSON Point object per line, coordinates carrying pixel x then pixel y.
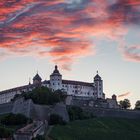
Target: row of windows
{"type": "Point", "coordinates": [56, 83]}
{"type": "Point", "coordinates": [76, 92]}
{"type": "Point", "coordinates": [55, 79]}
{"type": "Point", "coordinates": [70, 86]}
{"type": "Point", "coordinates": [73, 86]}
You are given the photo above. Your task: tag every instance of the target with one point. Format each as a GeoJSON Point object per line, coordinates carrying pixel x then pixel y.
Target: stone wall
{"type": "Point", "coordinates": [22, 106]}
{"type": "Point", "coordinates": [6, 108]}
{"type": "Point", "coordinates": [42, 112]}
{"type": "Point", "coordinates": [117, 113]}
{"type": "Point", "coordinates": [34, 111]}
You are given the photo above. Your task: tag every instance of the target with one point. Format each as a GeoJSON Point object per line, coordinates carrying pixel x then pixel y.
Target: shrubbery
{"type": "Point", "coordinates": [56, 119]}
{"type": "Point", "coordinates": [43, 95]}
{"type": "Point", "coordinates": [14, 119]}
{"type": "Point", "coordinates": [77, 113]}
{"type": "Point", "coordinates": [5, 133]}
{"type": "Point", "coordinates": [39, 137]}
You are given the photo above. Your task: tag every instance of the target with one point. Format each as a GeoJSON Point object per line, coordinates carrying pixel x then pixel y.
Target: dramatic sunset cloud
{"type": "Point", "coordinates": [64, 29]}
{"type": "Point", "coordinates": [124, 94]}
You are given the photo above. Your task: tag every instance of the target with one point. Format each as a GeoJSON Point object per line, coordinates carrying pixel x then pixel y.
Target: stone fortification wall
{"type": "Point", "coordinates": [42, 112]}
{"type": "Point", "coordinates": [117, 113]}
{"type": "Point", "coordinates": [22, 106]}
{"type": "Point", "coordinates": [34, 111]}
{"type": "Point", "coordinates": [6, 108]}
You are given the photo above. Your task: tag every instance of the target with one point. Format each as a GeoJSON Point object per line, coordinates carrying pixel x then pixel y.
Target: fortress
{"type": "Point", "coordinates": [77, 89]}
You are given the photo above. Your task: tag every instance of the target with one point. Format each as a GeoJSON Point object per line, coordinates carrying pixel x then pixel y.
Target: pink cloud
{"type": "Point", "coordinates": [64, 30]}
{"type": "Point", "coordinates": [131, 53]}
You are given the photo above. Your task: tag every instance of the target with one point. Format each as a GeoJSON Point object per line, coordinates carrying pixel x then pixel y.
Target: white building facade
{"type": "Point", "coordinates": [74, 88]}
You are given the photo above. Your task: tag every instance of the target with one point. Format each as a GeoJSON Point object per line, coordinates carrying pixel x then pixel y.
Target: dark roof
{"type": "Point", "coordinates": [37, 77]}
{"type": "Point", "coordinates": [17, 89]}
{"type": "Point", "coordinates": [97, 77]}
{"type": "Point", "coordinates": [46, 82]}
{"type": "Point", "coordinates": [76, 83]}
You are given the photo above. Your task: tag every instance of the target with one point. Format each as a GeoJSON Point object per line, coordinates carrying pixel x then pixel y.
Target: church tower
{"type": "Point", "coordinates": [98, 83]}
{"type": "Point", "coordinates": [56, 79]}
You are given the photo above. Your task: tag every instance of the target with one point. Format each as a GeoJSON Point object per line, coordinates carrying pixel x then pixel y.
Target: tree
{"type": "Point", "coordinates": [137, 105]}
{"type": "Point", "coordinates": [5, 132]}
{"type": "Point", "coordinates": [77, 113]}
{"type": "Point", "coordinates": [14, 119]}
{"type": "Point", "coordinates": [43, 95]}
{"type": "Point", "coordinates": [125, 104]}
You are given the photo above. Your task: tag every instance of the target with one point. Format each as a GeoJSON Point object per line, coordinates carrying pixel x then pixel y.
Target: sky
{"type": "Point", "coordinates": [80, 36]}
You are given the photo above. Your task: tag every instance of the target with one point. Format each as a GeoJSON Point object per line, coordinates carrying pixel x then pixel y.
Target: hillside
{"type": "Point", "coordinates": [98, 129]}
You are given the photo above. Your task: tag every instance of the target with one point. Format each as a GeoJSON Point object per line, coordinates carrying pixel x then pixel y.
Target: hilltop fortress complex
{"type": "Point", "coordinates": [77, 89]}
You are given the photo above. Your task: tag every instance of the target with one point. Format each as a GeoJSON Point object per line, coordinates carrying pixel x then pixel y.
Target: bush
{"type": "Point", "coordinates": [56, 119]}
{"type": "Point", "coordinates": [5, 133]}
{"type": "Point", "coordinates": [39, 137]}
{"type": "Point", "coordinates": [14, 119]}
{"type": "Point", "coordinates": [43, 95]}
{"type": "Point", "coordinates": [77, 113]}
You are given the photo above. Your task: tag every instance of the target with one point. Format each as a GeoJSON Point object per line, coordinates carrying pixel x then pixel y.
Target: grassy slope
{"type": "Point", "coordinates": [98, 129]}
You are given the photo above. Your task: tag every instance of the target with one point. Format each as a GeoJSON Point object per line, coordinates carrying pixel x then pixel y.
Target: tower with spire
{"type": "Point", "coordinates": [56, 79]}
{"type": "Point", "coordinates": [37, 80]}
{"type": "Point", "coordinates": [98, 83]}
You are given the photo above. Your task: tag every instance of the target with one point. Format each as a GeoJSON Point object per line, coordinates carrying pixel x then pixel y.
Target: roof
{"type": "Point", "coordinates": [76, 83]}
{"type": "Point", "coordinates": [97, 77]}
{"type": "Point", "coordinates": [46, 82]}
{"type": "Point", "coordinates": [37, 77]}
{"type": "Point", "coordinates": [17, 89]}
{"type": "Point", "coordinates": [56, 71]}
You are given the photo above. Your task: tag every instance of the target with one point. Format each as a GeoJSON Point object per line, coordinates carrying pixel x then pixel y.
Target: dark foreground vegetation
{"type": "Point", "coordinates": [98, 129]}
{"type": "Point", "coordinates": [56, 119]}
{"type": "Point", "coordinates": [9, 123]}
{"type": "Point", "coordinates": [77, 113]}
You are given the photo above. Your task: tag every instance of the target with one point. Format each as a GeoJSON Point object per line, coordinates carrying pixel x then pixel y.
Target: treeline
{"type": "Point", "coordinates": [125, 104]}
